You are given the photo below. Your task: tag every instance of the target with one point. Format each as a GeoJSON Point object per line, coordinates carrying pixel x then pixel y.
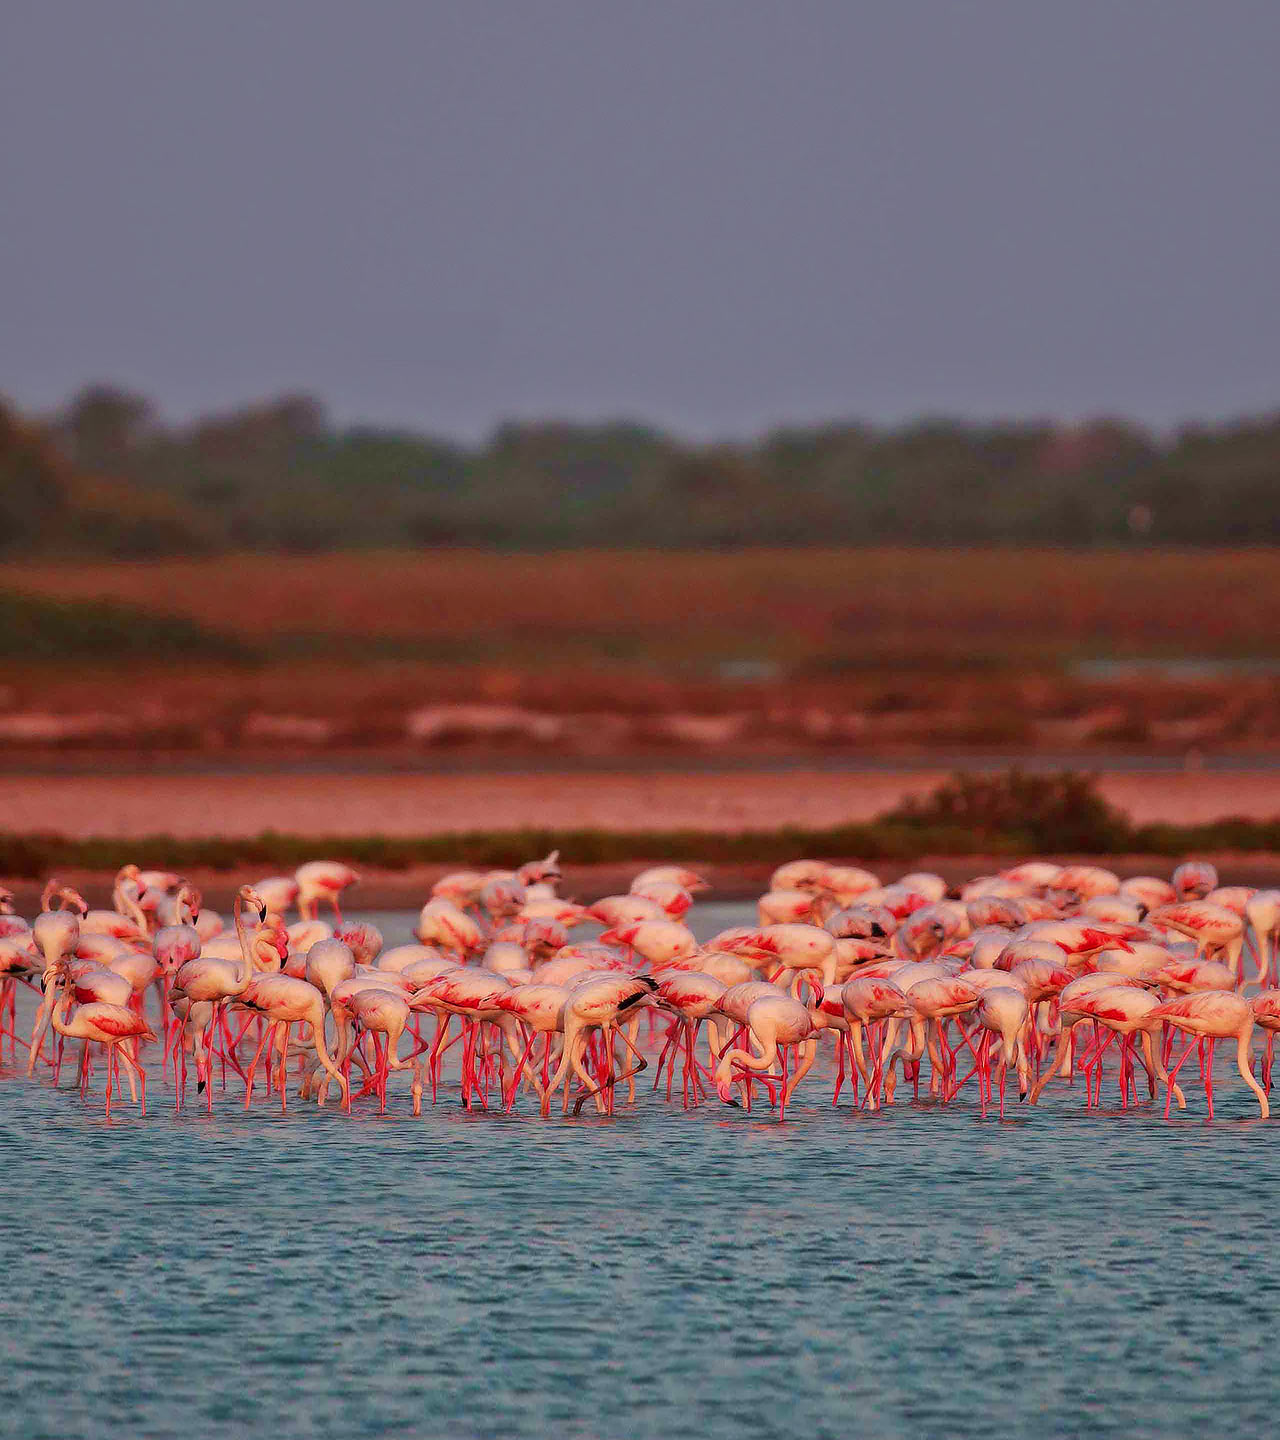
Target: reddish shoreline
{"type": "Point", "coordinates": [244, 805]}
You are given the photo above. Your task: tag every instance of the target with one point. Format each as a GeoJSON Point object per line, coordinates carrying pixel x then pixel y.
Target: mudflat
{"type": "Point", "coordinates": [127, 806]}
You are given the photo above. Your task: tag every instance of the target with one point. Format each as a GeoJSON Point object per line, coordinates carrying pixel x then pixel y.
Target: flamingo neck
{"type": "Point", "coordinates": [246, 947]}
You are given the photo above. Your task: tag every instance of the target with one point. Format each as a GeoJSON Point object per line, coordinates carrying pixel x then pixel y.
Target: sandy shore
{"type": "Point", "coordinates": [127, 806]}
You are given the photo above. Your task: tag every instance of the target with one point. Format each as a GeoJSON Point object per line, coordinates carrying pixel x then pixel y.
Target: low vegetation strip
{"type": "Point", "coordinates": [44, 628]}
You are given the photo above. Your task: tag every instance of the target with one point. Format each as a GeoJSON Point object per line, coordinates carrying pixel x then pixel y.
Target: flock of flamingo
{"type": "Point", "coordinates": [1038, 970]}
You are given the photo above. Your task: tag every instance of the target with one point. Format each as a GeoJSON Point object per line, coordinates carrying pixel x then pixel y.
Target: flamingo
{"type": "Point", "coordinates": [1148, 890]}
{"type": "Point", "coordinates": [363, 938]}
{"type": "Point", "coordinates": [596, 1004]}
{"type": "Point", "coordinates": [1034, 875]}
{"type": "Point", "coordinates": [1126, 1011]}
{"type": "Point", "coordinates": [674, 875]}
{"type": "Point", "coordinates": [55, 935]}
{"type": "Point", "coordinates": [656, 940]}
{"type": "Point", "coordinates": [868, 999]}
{"type": "Point", "coordinates": [18, 962]}
{"type": "Point", "coordinates": [673, 900]}
{"type": "Point", "coordinates": [540, 1008]}
{"type": "Point", "coordinates": [1003, 1011]}
{"type": "Point", "coordinates": [692, 996]}
{"type": "Point", "coordinates": [459, 887]}
{"type": "Point", "coordinates": [784, 906]}
{"type": "Point", "coordinates": [1266, 1013]}
{"type": "Point", "coordinates": [283, 1001]}
{"type": "Point", "coordinates": [1263, 915]}
{"type": "Point", "coordinates": [443, 923]}
{"type": "Point", "coordinates": [385, 1015]}
{"type": "Point", "coordinates": [772, 1021]}
{"type": "Point", "coordinates": [399, 957]}
{"type": "Point", "coordinates": [1217, 931]}
{"type": "Point", "coordinates": [619, 910]}
{"type": "Point", "coordinates": [1194, 879]}
{"type": "Point", "coordinates": [552, 908]}
{"type": "Point", "coordinates": [936, 999]}
{"type": "Point", "coordinates": [799, 948]}
{"type": "Point", "coordinates": [203, 982]}
{"type": "Point", "coordinates": [1002, 910]}
{"type": "Point", "coordinates": [473, 995]}
{"type": "Point", "coordinates": [1086, 882]}
{"type": "Point", "coordinates": [861, 921]}
{"type": "Point", "coordinates": [322, 880]}
{"type": "Point", "coordinates": [1209, 1016]}
{"type": "Point", "coordinates": [109, 1025]}
{"type": "Point", "coordinates": [278, 893]}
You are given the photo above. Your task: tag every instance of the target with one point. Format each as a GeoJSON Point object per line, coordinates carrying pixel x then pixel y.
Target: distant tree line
{"type": "Point", "coordinates": [107, 476]}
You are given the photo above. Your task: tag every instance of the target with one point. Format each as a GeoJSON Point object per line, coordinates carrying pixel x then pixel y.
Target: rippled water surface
{"type": "Point", "coordinates": [661, 1273]}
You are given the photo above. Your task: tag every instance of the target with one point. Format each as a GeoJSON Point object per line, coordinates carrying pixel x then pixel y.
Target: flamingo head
{"type": "Point", "coordinates": [248, 897]}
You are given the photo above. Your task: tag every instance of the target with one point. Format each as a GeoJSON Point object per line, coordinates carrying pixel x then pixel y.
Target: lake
{"type": "Point", "coordinates": [919, 1271]}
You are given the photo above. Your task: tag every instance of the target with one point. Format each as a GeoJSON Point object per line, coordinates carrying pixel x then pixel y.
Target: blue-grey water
{"type": "Point", "coordinates": [920, 1272]}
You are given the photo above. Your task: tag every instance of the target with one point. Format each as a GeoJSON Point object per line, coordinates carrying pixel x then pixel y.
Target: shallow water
{"type": "Point", "coordinates": [661, 1273]}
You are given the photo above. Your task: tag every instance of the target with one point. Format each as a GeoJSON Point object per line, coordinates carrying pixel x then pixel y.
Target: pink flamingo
{"type": "Point", "coordinates": [538, 1007]}
{"type": "Point", "coordinates": [1217, 931]}
{"type": "Point", "coordinates": [109, 1025]}
{"type": "Point", "coordinates": [278, 893]}
{"type": "Point", "coordinates": [473, 995]}
{"type": "Point", "coordinates": [443, 923]}
{"type": "Point", "coordinates": [322, 880]}
{"type": "Point", "coordinates": [658, 941]}
{"type": "Point", "coordinates": [1266, 1012]}
{"type": "Point", "coordinates": [284, 1001]}
{"type": "Point", "coordinates": [1262, 911]}
{"type": "Point", "coordinates": [55, 935]}
{"type": "Point", "coordinates": [385, 1015]}
{"type": "Point", "coordinates": [597, 1004]}
{"type": "Point", "coordinates": [1004, 1013]}
{"type": "Point", "coordinates": [1209, 1016]}
{"type": "Point", "coordinates": [18, 963]}
{"type": "Point", "coordinates": [867, 1000]}
{"type": "Point", "coordinates": [672, 875]}
{"type": "Point", "coordinates": [621, 910]}
{"type": "Point", "coordinates": [935, 1000]}
{"type": "Point", "coordinates": [1193, 880]}
{"type": "Point", "coordinates": [202, 983]}
{"type": "Point", "coordinates": [691, 996]}
{"type": "Point", "coordinates": [1130, 1013]}
{"type": "Point", "coordinates": [773, 1022]}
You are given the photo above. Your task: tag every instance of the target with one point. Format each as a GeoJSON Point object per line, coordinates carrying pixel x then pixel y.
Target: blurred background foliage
{"type": "Point", "coordinates": [108, 477]}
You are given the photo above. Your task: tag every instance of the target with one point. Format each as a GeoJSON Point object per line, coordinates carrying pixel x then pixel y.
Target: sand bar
{"type": "Point", "coordinates": [197, 806]}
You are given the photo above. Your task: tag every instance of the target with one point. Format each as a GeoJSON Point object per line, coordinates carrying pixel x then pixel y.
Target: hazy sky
{"type": "Point", "coordinates": [710, 215]}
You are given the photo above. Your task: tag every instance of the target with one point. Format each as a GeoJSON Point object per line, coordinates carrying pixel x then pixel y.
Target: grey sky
{"type": "Point", "coordinates": [714, 216]}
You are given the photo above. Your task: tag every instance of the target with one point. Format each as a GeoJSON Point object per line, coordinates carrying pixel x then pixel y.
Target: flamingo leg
{"type": "Point", "coordinates": [1173, 1074]}
{"type": "Point", "coordinates": [132, 1065]}
{"type": "Point", "coordinates": [253, 1067]}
